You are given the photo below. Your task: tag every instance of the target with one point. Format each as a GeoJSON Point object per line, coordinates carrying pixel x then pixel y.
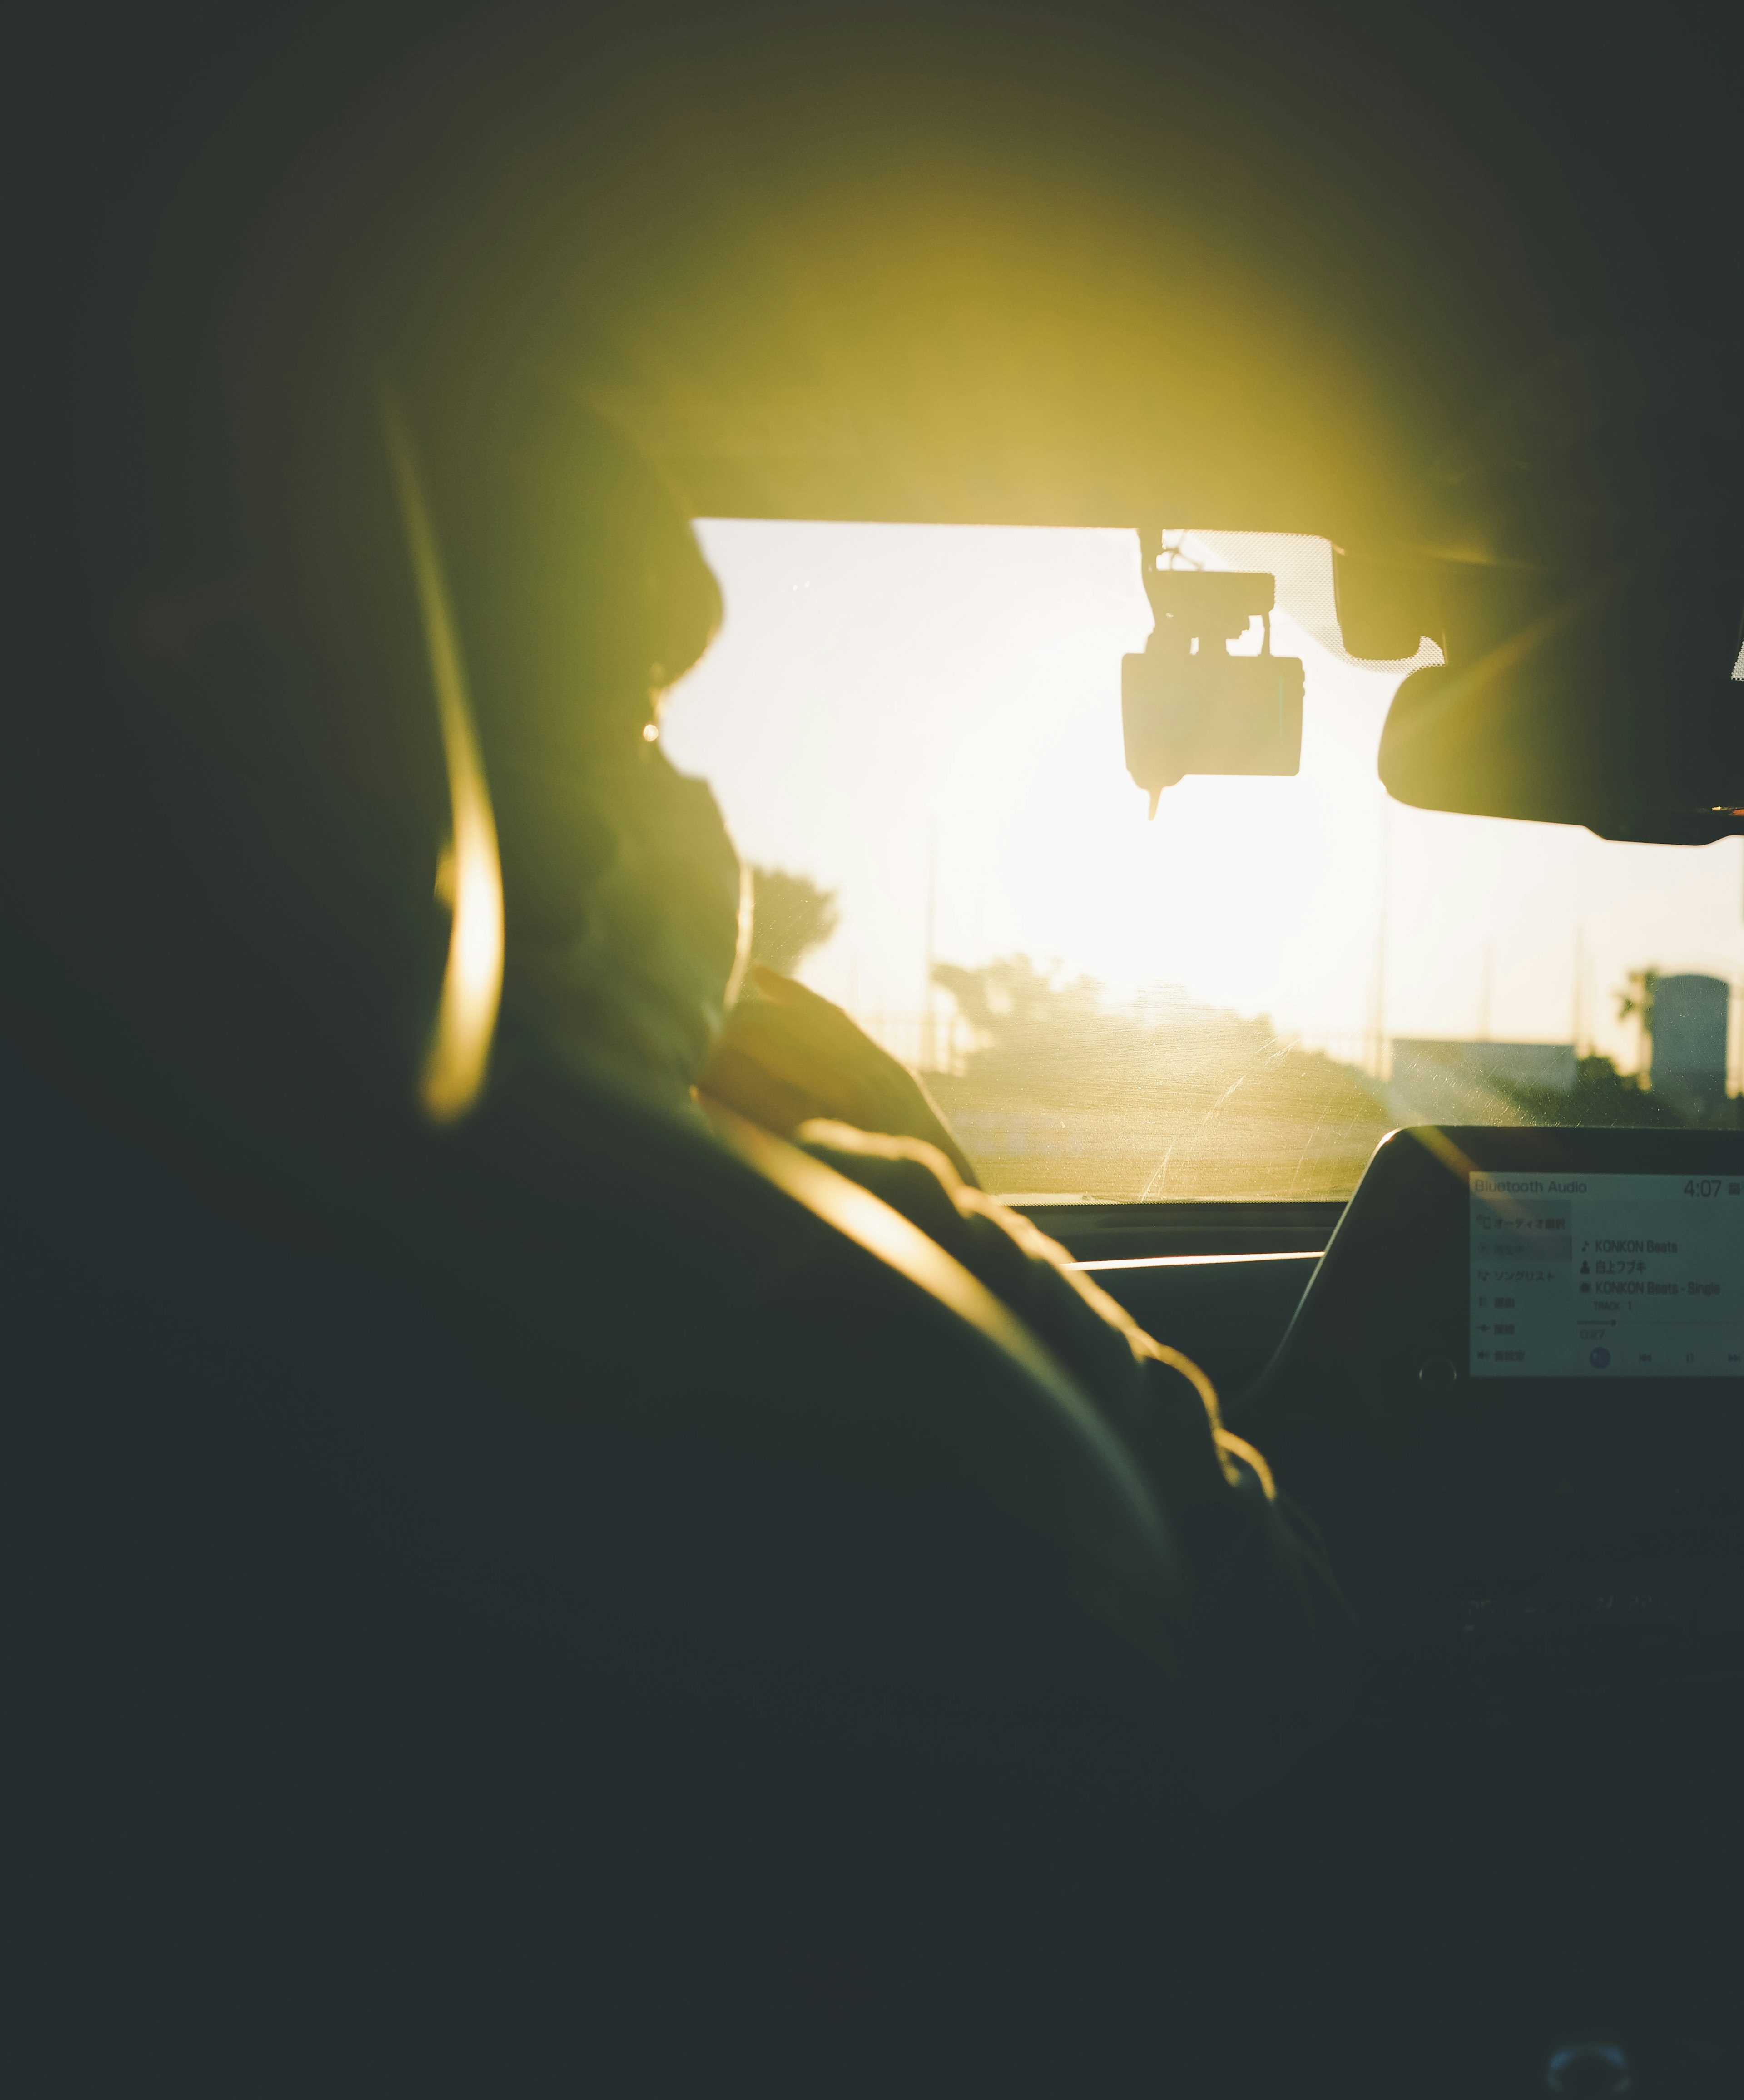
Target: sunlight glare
{"type": "Point", "coordinates": [886, 698]}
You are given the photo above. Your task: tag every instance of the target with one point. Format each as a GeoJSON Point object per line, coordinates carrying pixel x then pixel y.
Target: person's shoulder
{"type": "Point", "coordinates": [908, 1174]}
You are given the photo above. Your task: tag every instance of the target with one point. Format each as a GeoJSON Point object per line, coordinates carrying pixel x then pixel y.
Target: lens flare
{"type": "Point", "coordinates": [459, 1055]}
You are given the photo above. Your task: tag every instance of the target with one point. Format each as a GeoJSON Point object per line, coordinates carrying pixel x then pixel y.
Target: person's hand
{"type": "Point", "coordinates": [786, 1055]}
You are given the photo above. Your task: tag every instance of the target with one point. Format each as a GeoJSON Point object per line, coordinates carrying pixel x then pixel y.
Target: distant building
{"type": "Point", "coordinates": [1688, 1023]}
{"type": "Point", "coordinates": [1440, 1081]}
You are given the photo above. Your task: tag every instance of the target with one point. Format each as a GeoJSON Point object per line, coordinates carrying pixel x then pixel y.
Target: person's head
{"type": "Point", "coordinates": [223, 635]}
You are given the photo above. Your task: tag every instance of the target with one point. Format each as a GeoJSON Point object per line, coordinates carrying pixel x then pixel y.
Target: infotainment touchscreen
{"type": "Point", "coordinates": [1607, 1275]}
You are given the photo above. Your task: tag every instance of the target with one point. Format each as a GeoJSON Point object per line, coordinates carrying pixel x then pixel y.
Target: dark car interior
{"type": "Point", "coordinates": [837, 1798]}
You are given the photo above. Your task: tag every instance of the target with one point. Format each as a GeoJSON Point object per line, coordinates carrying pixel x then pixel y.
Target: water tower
{"type": "Point", "coordinates": [1689, 1044]}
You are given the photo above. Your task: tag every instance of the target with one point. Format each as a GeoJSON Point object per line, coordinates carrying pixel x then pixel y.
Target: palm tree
{"type": "Point", "coordinates": [1637, 998]}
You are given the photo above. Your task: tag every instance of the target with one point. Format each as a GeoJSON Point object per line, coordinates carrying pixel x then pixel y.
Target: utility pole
{"type": "Point", "coordinates": [1483, 995]}
{"type": "Point", "coordinates": [1378, 1003]}
{"type": "Point", "coordinates": [1580, 1019]}
{"type": "Point", "coordinates": [929, 1028]}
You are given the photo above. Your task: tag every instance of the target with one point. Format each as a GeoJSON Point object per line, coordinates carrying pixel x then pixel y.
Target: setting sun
{"type": "Point", "coordinates": [915, 712]}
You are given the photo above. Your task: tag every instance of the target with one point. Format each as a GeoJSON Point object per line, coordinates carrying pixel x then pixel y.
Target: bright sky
{"type": "Point", "coordinates": [879, 693]}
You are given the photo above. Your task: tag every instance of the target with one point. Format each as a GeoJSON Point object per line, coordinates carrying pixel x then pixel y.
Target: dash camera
{"type": "Point", "coordinates": [1188, 705]}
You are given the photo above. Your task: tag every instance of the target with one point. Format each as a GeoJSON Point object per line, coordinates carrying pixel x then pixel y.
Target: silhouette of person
{"type": "Point", "coordinates": [493, 1523]}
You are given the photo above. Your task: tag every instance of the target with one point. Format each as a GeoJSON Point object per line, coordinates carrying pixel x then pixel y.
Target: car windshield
{"type": "Point", "coordinates": [914, 732]}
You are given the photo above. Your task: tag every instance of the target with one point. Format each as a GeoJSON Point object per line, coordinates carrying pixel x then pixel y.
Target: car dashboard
{"type": "Point", "coordinates": [1521, 1837]}
{"type": "Point", "coordinates": [1509, 1387]}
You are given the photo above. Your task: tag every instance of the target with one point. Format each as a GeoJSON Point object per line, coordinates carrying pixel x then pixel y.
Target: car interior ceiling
{"type": "Point", "coordinates": [1460, 290]}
